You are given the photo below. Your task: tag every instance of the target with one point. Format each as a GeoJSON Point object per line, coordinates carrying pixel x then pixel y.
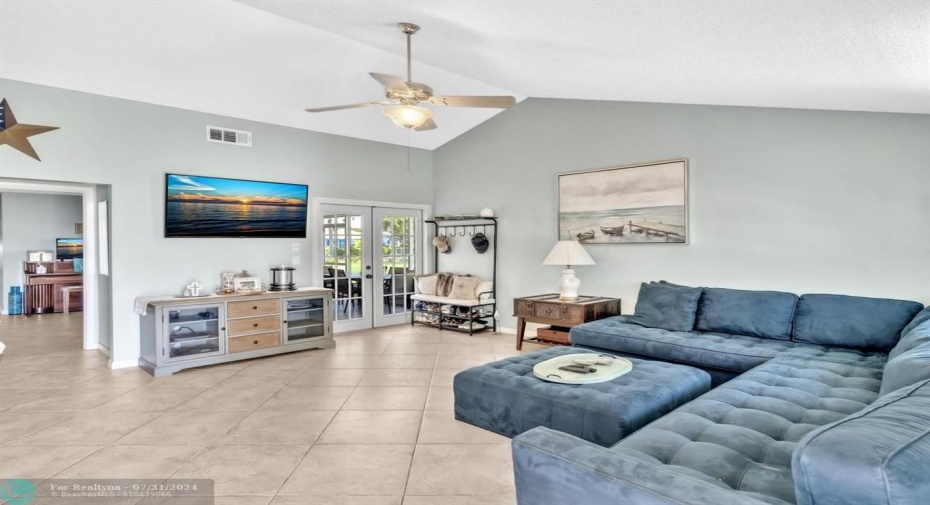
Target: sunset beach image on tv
{"type": "Point", "coordinates": [216, 207]}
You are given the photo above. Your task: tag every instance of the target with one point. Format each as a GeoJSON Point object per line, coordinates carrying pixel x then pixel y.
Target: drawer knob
{"type": "Point", "coordinates": [254, 325]}
{"type": "Point", "coordinates": [548, 311]}
{"type": "Point", "coordinates": [254, 307]}
{"type": "Point", "coordinates": [255, 342]}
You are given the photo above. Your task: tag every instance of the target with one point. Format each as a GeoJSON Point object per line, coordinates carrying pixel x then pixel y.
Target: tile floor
{"type": "Point", "coordinates": [366, 423]}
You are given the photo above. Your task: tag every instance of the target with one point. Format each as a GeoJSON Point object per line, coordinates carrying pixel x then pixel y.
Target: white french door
{"type": "Point", "coordinates": [370, 256]}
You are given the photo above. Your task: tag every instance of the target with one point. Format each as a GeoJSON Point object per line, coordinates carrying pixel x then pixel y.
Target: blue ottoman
{"type": "Point", "coordinates": [505, 397]}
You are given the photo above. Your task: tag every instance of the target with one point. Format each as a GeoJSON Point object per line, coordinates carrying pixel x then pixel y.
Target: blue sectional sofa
{"type": "Point", "coordinates": [820, 400]}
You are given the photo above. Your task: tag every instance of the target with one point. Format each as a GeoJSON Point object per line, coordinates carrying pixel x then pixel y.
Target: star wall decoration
{"type": "Point", "coordinates": [16, 134]}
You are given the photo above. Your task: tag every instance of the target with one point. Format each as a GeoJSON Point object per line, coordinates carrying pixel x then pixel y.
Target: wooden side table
{"type": "Point", "coordinates": [549, 309]}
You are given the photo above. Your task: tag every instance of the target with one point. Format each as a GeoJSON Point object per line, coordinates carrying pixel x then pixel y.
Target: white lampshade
{"type": "Point", "coordinates": [408, 116]}
{"type": "Point", "coordinates": [568, 253]}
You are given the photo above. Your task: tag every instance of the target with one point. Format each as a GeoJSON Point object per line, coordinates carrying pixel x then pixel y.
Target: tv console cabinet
{"type": "Point", "coordinates": [180, 333]}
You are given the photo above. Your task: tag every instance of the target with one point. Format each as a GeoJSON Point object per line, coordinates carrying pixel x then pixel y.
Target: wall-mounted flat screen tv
{"type": "Point", "coordinates": [198, 206]}
{"type": "Point", "coordinates": [69, 248]}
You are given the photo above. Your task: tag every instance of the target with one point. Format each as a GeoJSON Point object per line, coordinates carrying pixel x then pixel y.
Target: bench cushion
{"type": "Point", "coordinates": [452, 301]}
{"type": "Point", "coordinates": [763, 314]}
{"type": "Point", "coordinates": [875, 456]}
{"type": "Point", "coordinates": [852, 321]}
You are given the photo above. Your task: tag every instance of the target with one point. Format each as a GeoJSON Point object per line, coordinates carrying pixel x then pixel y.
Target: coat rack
{"type": "Point", "coordinates": [449, 227]}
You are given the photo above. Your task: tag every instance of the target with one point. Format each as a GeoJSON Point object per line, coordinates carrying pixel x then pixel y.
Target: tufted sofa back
{"type": "Point", "coordinates": [852, 321]}
{"type": "Point", "coordinates": [876, 456]}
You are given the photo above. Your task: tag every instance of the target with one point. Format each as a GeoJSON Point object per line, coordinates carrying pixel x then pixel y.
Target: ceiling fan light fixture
{"type": "Point", "coordinates": [408, 116]}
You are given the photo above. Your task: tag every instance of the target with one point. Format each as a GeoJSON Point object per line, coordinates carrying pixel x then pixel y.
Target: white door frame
{"type": "Point", "coordinates": [316, 230]}
{"type": "Point", "coordinates": [89, 194]}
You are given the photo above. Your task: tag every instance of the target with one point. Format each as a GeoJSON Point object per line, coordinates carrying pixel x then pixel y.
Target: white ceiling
{"type": "Point", "coordinates": [266, 60]}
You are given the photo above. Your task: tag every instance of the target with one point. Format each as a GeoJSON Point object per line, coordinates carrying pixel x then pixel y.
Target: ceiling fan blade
{"type": "Point", "coordinates": [391, 82]}
{"type": "Point", "coordinates": [428, 125]}
{"type": "Point", "coordinates": [350, 106]}
{"type": "Point", "coordinates": [495, 102]}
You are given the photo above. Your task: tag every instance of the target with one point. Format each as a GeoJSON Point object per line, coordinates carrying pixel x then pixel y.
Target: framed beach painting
{"type": "Point", "coordinates": [636, 204]}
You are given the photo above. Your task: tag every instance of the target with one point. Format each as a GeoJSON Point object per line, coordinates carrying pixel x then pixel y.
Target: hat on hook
{"type": "Point", "coordinates": [480, 241]}
{"type": "Point", "coordinates": [442, 243]}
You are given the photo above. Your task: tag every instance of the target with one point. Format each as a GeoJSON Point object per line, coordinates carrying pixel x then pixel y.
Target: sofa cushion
{"type": "Point", "coordinates": [852, 321]}
{"type": "Point", "coordinates": [906, 369]}
{"type": "Point", "coordinates": [735, 353]}
{"type": "Point", "coordinates": [444, 283]}
{"type": "Point", "coordinates": [426, 284]}
{"type": "Point", "coordinates": [764, 314]}
{"type": "Point", "coordinates": [742, 434]}
{"type": "Point", "coordinates": [921, 317]}
{"type": "Point", "coordinates": [917, 336]}
{"type": "Point", "coordinates": [464, 287]}
{"type": "Point", "coordinates": [665, 306]}
{"type": "Point", "coordinates": [875, 456]}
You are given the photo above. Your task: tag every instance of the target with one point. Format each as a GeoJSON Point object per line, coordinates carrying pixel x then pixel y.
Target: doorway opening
{"type": "Point", "coordinates": [369, 256]}
{"type": "Point", "coordinates": [49, 245]}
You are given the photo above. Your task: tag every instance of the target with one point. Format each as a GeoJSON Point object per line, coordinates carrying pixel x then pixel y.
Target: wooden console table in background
{"type": "Point", "coordinates": [549, 309]}
{"type": "Point", "coordinates": [42, 293]}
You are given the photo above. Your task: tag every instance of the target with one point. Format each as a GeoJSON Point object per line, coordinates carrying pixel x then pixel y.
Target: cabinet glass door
{"type": "Point", "coordinates": [304, 319]}
{"type": "Point", "coordinates": [194, 332]}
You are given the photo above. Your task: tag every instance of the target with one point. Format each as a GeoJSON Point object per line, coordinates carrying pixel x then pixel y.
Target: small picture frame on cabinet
{"type": "Point", "coordinates": [40, 256]}
{"type": "Point", "coordinates": [247, 284]}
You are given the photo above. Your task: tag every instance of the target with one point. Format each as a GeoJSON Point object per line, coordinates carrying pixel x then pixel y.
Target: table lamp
{"type": "Point", "coordinates": [568, 253]}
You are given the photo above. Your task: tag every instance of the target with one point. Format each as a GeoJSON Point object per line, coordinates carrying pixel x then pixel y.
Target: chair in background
{"type": "Point", "coordinates": [347, 290]}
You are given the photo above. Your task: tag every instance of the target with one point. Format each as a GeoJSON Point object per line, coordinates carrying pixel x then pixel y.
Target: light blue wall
{"type": "Point", "coordinates": [795, 200]}
{"type": "Point", "coordinates": [131, 145]}
{"type": "Point", "coordinates": [32, 222]}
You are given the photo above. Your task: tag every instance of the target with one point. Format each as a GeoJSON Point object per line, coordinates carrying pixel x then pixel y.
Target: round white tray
{"type": "Point", "coordinates": [549, 370]}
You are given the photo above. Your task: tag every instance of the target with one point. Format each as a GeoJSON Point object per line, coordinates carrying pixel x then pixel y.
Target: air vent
{"type": "Point", "coordinates": [229, 136]}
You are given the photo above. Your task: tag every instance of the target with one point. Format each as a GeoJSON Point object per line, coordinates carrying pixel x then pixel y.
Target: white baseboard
{"type": "Point", "coordinates": [530, 329]}
{"type": "Point", "coordinates": [104, 350]}
{"type": "Point", "coordinates": [126, 363]}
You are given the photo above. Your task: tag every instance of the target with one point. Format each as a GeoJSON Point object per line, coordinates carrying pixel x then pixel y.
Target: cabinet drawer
{"type": "Point", "coordinates": [259, 324]}
{"type": "Point", "coordinates": [253, 308]}
{"type": "Point", "coordinates": [252, 342]}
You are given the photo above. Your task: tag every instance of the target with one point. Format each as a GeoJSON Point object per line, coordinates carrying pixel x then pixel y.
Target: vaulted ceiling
{"type": "Point", "coordinates": [267, 60]}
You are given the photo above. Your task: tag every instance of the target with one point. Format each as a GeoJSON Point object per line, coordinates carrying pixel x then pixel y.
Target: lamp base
{"type": "Point", "coordinates": [568, 285]}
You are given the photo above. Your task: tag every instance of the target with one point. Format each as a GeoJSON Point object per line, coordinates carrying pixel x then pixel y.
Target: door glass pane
{"type": "Point", "coordinates": [342, 261]}
{"type": "Point", "coordinates": [398, 249]}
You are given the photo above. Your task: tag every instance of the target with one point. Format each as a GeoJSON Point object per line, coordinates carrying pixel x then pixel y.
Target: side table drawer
{"type": "Point", "coordinates": [253, 342]}
{"type": "Point", "coordinates": [548, 310]}
{"type": "Point", "coordinates": [560, 311]}
{"type": "Point", "coordinates": [523, 308]}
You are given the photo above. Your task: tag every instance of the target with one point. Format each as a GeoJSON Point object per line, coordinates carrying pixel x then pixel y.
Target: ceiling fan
{"type": "Point", "coordinates": [405, 95]}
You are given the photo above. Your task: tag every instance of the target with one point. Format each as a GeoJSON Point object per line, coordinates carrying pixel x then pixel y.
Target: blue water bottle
{"type": "Point", "coordinates": [16, 301]}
